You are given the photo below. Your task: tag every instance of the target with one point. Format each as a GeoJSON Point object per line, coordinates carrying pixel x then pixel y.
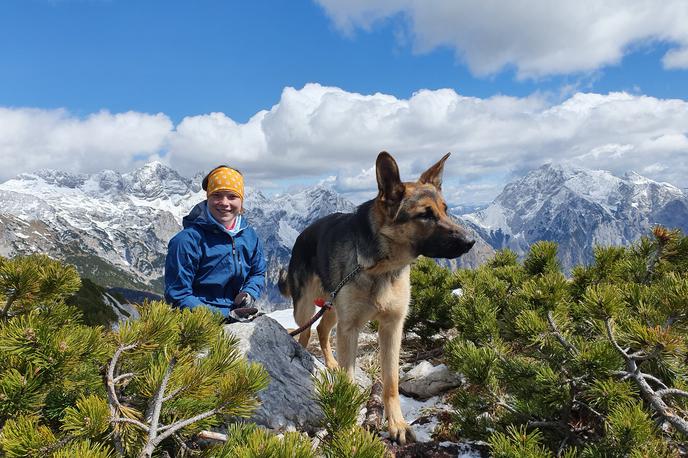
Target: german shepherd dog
{"type": "Point", "coordinates": [384, 236]}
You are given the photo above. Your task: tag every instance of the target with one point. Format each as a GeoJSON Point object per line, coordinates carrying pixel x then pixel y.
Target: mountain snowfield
{"type": "Point", "coordinates": [579, 209]}
{"type": "Point", "coordinates": [115, 227]}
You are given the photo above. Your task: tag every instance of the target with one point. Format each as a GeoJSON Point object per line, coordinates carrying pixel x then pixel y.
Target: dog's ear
{"type": "Point", "coordinates": [433, 175]}
{"type": "Point", "coordinates": [391, 189]}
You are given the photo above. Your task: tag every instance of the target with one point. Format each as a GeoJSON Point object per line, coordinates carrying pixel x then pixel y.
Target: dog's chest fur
{"type": "Point", "coordinates": [388, 292]}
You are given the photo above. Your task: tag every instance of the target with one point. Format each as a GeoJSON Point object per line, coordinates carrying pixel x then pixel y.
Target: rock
{"type": "Point", "coordinates": [426, 380]}
{"type": "Point", "coordinates": [288, 402]}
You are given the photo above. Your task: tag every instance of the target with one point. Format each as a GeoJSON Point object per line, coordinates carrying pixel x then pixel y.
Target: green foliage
{"type": "Point", "coordinates": [341, 400]}
{"type": "Point", "coordinates": [518, 443]}
{"type": "Point", "coordinates": [90, 417]}
{"type": "Point", "coordinates": [630, 429]}
{"type": "Point", "coordinates": [354, 442]}
{"type": "Point", "coordinates": [431, 299]}
{"type": "Point", "coordinates": [83, 449]}
{"type": "Point", "coordinates": [542, 259]}
{"type": "Point", "coordinates": [68, 389]}
{"type": "Point", "coordinates": [24, 436]}
{"type": "Point", "coordinates": [554, 362]}
{"type": "Point", "coordinates": [47, 357]}
{"type": "Point", "coordinates": [249, 441]}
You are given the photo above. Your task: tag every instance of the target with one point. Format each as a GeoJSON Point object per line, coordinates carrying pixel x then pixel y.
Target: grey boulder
{"type": "Point", "coordinates": [288, 403]}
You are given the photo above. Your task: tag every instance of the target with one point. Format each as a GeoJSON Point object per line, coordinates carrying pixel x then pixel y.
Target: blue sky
{"type": "Point", "coordinates": [147, 75]}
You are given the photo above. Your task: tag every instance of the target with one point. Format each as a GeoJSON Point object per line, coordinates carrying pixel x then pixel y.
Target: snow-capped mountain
{"type": "Point", "coordinates": [115, 227]}
{"type": "Point", "coordinates": [578, 209]}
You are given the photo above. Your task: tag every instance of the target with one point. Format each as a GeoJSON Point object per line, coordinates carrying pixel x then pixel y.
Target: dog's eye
{"type": "Point", "coordinates": [427, 214]}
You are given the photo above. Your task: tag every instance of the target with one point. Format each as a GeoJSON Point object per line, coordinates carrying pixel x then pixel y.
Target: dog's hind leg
{"type": "Point", "coordinates": [389, 334]}
{"type": "Point", "coordinates": [303, 311]}
{"type": "Point", "coordinates": [327, 322]}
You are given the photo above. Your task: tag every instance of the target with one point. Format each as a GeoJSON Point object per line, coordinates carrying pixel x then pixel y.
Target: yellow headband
{"type": "Point", "coordinates": [225, 179]}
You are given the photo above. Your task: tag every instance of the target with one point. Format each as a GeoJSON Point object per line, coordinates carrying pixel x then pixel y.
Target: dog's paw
{"type": "Point", "coordinates": [331, 364]}
{"type": "Point", "coordinates": [401, 433]}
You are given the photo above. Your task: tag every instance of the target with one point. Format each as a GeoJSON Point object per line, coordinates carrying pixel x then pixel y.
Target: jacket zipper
{"type": "Point", "coordinates": [234, 253]}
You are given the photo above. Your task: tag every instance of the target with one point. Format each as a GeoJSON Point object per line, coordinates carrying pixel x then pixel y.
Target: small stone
{"type": "Point", "coordinates": [425, 380]}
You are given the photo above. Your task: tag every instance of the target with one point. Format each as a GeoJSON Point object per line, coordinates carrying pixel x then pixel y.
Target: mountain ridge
{"type": "Point", "coordinates": [116, 226]}
{"type": "Point", "coordinates": [578, 208]}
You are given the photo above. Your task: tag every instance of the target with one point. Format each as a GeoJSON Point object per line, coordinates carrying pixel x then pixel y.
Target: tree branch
{"type": "Point", "coordinates": [175, 392]}
{"type": "Point", "coordinates": [119, 378]}
{"type": "Point", "coordinates": [154, 408]}
{"type": "Point", "coordinates": [169, 430]}
{"type": "Point", "coordinates": [651, 378]}
{"type": "Point", "coordinates": [56, 445]}
{"type": "Point", "coordinates": [640, 356]}
{"type": "Point", "coordinates": [374, 408]}
{"type": "Point", "coordinates": [8, 304]}
{"type": "Point", "coordinates": [560, 337]}
{"type": "Point", "coordinates": [651, 396]}
{"type": "Point", "coordinates": [610, 335]}
{"type": "Point", "coordinates": [213, 436]}
{"type": "Point", "coordinates": [506, 406]}
{"type": "Point", "coordinates": [671, 392]}
{"type": "Point", "coordinates": [132, 421]}
{"type": "Point", "coordinates": [581, 403]}
{"type": "Point", "coordinates": [113, 400]}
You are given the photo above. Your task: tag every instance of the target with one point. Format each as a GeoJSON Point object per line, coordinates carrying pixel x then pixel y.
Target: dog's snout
{"type": "Point", "coordinates": [466, 245]}
{"type": "Point", "coordinates": [464, 240]}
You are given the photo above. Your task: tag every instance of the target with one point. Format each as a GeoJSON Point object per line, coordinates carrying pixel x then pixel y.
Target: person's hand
{"type": "Point", "coordinates": [242, 310]}
{"type": "Point", "coordinates": [243, 299]}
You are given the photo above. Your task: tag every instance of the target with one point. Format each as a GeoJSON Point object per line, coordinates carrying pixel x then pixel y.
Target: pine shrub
{"type": "Point", "coordinates": [68, 389]}
{"type": "Point", "coordinates": [341, 400]}
{"type": "Point", "coordinates": [431, 300]}
{"type": "Point", "coordinates": [591, 365]}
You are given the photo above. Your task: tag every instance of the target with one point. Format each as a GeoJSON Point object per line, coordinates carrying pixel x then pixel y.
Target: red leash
{"type": "Point", "coordinates": [326, 305]}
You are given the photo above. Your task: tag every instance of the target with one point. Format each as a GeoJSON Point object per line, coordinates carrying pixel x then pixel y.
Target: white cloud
{"type": "Point", "coordinates": [676, 58]}
{"type": "Point", "coordinates": [318, 132]}
{"type": "Point", "coordinates": [32, 139]}
{"type": "Point", "coordinates": [538, 37]}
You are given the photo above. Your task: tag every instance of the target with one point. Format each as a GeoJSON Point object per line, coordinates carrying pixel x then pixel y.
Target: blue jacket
{"type": "Point", "coordinates": [205, 265]}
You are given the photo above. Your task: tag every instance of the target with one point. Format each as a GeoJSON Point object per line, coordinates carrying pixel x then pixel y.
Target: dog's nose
{"type": "Point", "coordinates": [468, 245]}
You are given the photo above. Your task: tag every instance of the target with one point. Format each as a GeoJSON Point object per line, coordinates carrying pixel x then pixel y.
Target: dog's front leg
{"type": "Point", "coordinates": [389, 335]}
{"type": "Point", "coordinates": [347, 343]}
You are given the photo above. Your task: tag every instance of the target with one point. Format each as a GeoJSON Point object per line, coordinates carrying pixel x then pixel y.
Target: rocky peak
{"type": "Point", "coordinates": [155, 180]}
{"type": "Point", "coordinates": [578, 208]}
{"type": "Point", "coordinates": [60, 178]}
{"type": "Point", "coordinates": [107, 181]}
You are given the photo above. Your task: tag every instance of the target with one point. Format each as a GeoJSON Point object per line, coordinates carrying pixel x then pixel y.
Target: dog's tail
{"type": "Point", "coordinates": [283, 283]}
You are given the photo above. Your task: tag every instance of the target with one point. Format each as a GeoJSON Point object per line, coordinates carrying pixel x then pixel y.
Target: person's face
{"type": "Point", "coordinates": [224, 206]}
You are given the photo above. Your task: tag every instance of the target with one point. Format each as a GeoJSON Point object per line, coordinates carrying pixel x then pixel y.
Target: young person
{"type": "Point", "coordinates": [217, 260]}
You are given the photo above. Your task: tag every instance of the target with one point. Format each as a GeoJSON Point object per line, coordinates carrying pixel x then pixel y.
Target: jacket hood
{"type": "Point", "coordinates": [198, 216]}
